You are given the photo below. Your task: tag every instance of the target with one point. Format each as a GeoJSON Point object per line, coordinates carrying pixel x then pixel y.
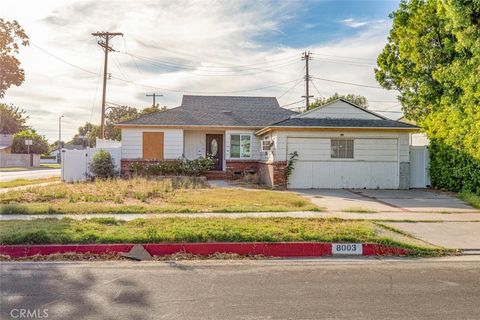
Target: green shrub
{"type": "Point", "coordinates": [195, 167]}
{"type": "Point", "coordinates": [453, 169]}
{"type": "Point", "coordinates": [137, 168]}
{"type": "Point", "coordinates": [198, 166]}
{"type": "Point", "coordinates": [102, 165]}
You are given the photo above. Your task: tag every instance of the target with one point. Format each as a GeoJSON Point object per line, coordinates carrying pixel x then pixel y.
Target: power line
{"type": "Point", "coordinates": [291, 88]}
{"type": "Point", "coordinates": [315, 86]}
{"type": "Point", "coordinates": [292, 103]}
{"type": "Point", "coordinates": [133, 59]}
{"type": "Point", "coordinates": [96, 91]}
{"type": "Point", "coordinates": [168, 89]}
{"type": "Point", "coordinates": [349, 83]}
{"type": "Point", "coordinates": [64, 61]}
{"type": "Point", "coordinates": [342, 57]}
{"type": "Point", "coordinates": [231, 72]}
{"type": "Point", "coordinates": [351, 63]}
{"type": "Point", "coordinates": [180, 53]}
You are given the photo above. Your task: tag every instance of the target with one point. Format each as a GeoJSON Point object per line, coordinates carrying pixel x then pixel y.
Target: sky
{"type": "Point", "coordinates": [249, 48]}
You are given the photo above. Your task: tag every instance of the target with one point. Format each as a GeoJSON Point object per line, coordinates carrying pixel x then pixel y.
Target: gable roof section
{"type": "Point", "coordinates": [225, 111]}
{"type": "Point", "coordinates": [311, 113]}
{"type": "Point", "coordinates": [343, 123]}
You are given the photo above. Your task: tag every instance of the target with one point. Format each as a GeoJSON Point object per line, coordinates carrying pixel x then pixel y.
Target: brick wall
{"type": "Point", "coordinates": [273, 174]}
{"type": "Point", "coordinates": [236, 168]}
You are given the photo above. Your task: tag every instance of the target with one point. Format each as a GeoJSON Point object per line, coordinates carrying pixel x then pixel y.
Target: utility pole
{"type": "Point", "coordinates": [307, 96]}
{"type": "Point", "coordinates": [154, 95]}
{"type": "Point", "coordinates": [59, 138]}
{"type": "Point", "coordinates": [104, 43]}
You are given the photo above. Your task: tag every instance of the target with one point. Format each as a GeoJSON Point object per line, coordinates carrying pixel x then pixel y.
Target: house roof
{"type": "Point", "coordinates": [218, 111]}
{"type": "Point", "coordinates": [343, 123]}
{"type": "Point", "coordinates": [307, 113]}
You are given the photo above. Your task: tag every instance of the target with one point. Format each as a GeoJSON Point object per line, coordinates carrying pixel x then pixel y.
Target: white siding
{"type": "Point", "coordinates": [280, 139]}
{"type": "Point", "coordinates": [132, 139]}
{"type": "Point", "coordinates": [344, 174]}
{"type": "Point", "coordinates": [338, 110]}
{"type": "Point", "coordinates": [195, 143]}
{"type": "Point", "coordinates": [255, 144]}
{"type": "Point", "coordinates": [375, 164]}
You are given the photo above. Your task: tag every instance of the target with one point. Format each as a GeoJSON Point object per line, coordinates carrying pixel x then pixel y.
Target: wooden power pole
{"type": "Point", "coordinates": [307, 96]}
{"type": "Point", "coordinates": [153, 95]}
{"type": "Point", "coordinates": [104, 43]}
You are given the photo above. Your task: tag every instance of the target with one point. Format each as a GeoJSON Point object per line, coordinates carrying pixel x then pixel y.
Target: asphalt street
{"type": "Point", "coordinates": [266, 289]}
{"type": "Point", "coordinates": [29, 174]}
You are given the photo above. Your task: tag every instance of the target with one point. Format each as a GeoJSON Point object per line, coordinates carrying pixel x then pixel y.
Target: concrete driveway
{"type": "Point", "coordinates": [415, 200]}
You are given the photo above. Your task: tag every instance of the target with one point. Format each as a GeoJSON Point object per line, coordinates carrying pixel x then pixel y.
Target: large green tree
{"type": "Point", "coordinates": [433, 59]}
{"type": "Point", "coordinates": [39, 146]}
{"type": "Point", "coordinates": [12, 119]}
{"type": "Point", "coordinates": [359, 100]}
{"type": "Point", "coordinates": [12, 36]}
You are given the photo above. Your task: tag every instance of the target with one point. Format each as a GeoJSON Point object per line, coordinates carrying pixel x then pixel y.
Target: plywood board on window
{"type": "Point", "coordinates": [153, 145]}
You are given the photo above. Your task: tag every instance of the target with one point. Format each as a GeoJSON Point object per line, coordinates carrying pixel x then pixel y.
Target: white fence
{"type": "Point", "coordinates": [76, 163]}
{"type": "Point", "coordinates": [419, 167]}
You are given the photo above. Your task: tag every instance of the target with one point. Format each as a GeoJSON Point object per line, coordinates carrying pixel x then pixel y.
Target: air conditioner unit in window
{"type": "Point", "coordinates": [267, 145]}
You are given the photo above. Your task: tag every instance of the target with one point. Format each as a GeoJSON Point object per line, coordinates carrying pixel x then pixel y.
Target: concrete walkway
{"type": "Point", "coordinates": [386, 216]}
{"type": "Point", "coordinates": [461, 235]}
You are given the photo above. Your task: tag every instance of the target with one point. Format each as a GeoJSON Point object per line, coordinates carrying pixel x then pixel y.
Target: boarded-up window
{"type": "Point", "coordinates": [153, 145]}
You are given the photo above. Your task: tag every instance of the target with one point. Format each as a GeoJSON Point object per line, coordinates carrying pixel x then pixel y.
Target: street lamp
{"type": "Point", "coordinates": [59, 137]}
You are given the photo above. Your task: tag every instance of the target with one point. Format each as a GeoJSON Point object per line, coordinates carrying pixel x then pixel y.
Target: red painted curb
{"type": "Point", "coordinates": [277, 249]}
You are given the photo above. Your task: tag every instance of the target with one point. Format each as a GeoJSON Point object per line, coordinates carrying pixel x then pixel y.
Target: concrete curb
{"type": "Point", "coordinates": [278, 249]}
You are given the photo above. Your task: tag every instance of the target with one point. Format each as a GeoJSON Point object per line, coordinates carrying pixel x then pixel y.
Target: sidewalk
{"type": "Point", "coordinates": [384, 216]}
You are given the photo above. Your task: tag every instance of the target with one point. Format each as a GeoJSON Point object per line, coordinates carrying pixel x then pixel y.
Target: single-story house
{"type": "Point", "coordinates": [339, 145]}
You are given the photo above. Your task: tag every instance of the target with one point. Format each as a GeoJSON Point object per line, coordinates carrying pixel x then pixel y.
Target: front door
{"type": "Point", "coordinates": [215, 149]}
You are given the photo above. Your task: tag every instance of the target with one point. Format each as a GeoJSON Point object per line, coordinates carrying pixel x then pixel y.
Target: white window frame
{"type": "Point", "coordinates": [266, 145]}
{"type": "Point", "coordinates": [343, 158]}
{"type": "Point", "coordinates": [240, 136]}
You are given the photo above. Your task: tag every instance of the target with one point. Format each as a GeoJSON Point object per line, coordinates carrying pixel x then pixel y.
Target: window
{"type": "Point", "coordinates": [240, 145]}
{"type": "Point", "coordinates": [266, 145]}
{"type": "Point", "coordinates": [341, 149]}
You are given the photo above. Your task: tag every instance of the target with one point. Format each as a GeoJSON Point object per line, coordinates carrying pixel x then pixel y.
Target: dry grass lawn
{"type": "Point", "coordinates": [141, 195]}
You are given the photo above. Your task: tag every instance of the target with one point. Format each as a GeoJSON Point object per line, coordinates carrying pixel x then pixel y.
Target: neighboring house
{"type": "Point", "coordinates": [6, 141]}
{"type": "Point", "coordinates": [11, 160]}
{"type": "Point", "coordinates": [340, 145]}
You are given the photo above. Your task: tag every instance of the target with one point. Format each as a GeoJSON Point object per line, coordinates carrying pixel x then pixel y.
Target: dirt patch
{"type": "Point", "coordinates": [117, 256]}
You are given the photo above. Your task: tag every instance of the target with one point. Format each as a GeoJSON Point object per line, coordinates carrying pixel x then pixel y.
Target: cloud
{"type": "Point", "coordinates": [181, 47]}
{"type": "Point", "coordinates": [358, 23]}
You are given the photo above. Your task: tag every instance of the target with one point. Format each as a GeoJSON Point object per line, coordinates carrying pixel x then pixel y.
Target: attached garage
{"type": "Point", "coordinates": [344, 162]}
{"type": "Point", "coordinates": [341, 145]}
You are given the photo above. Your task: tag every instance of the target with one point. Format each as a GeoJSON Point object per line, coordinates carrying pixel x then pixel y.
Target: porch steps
{"type": "Point", "coordinates": [215, 175]}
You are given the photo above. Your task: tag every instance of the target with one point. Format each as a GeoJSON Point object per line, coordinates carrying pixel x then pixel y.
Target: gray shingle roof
{"type": "Point", "coordinates": [218, 111]}
{"type": "Point", "coordinates": [343, 123]}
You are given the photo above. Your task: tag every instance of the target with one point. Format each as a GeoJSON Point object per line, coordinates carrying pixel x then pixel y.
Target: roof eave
{"type": "Point", "coordinates": [267, 129]}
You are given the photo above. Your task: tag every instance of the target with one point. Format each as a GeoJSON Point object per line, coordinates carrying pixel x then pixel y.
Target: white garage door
{"type": "Point", "coordinates": [374, 164]}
